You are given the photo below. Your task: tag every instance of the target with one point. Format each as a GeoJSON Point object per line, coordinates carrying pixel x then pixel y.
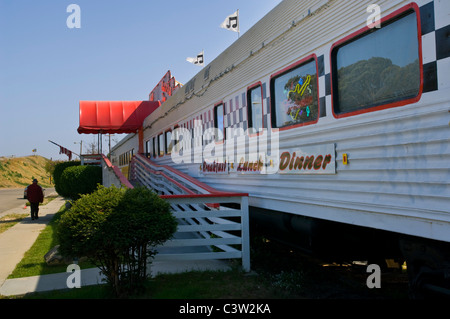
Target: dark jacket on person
{"type": "Point", "coordinates": [35, 193]}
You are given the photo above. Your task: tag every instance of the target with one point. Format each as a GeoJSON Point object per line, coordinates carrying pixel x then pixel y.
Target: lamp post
{"type": "Point", "coordinates": [81, 147]}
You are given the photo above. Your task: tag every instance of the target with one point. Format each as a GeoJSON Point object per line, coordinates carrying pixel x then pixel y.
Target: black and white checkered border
{"type": "Point", "coordinates": [436, 63]}
{"type": "Point", "coordinates": [434, 19]}
{"type": "Point", "coordinates": [435, 28]}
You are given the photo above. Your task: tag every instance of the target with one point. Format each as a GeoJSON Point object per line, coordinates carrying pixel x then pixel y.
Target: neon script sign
{"type": "Point", "coordinates": [301, 102]}
{"type": "Point", "coordinates": [301, 89]}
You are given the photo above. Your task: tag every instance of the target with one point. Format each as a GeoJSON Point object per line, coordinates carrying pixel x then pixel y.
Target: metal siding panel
{"type": "Point", "coordinates": [398, 176]}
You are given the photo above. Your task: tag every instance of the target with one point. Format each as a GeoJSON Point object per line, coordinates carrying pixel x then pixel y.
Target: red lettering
{"type": "Point", "coordinates": [308, 162]}
{"type": "Point", "coordinates": [291, 164]}
{"type": "Point", "coordinates": [326, 161]}
{"type": "Point", "coordinates": [298, 162]}
{"type": "Point", "coordinates": [318, 162]}
{"type": "Point", "coordinates": [215, 167]}
{"type": "Point", "coordinates": [284, 160]}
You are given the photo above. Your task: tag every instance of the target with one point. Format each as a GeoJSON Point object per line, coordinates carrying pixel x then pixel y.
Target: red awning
{"type": "Point", "coordinates": [114, 116]}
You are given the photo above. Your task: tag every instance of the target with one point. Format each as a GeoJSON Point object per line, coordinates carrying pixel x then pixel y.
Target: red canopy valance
{"type": "Point", "coordinates": [114, 116]}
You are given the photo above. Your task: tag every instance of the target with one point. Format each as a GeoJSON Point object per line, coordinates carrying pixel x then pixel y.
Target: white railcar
{"type": "Point", "coordinates": [336, 123]}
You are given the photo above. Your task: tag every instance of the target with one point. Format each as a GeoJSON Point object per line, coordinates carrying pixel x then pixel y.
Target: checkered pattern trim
{"type": "Point", "coordinates": [435, 52]}
{"type": "Point", "coordinates": [436, 63]}
{"type": "Point", "coordinates": [236, 112]}
{"type": "Point", "coordinates": [435, 44]}
{"type": "Point", "coordinates": [208, 122]}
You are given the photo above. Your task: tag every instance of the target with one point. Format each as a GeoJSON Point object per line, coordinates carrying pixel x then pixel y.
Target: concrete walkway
{"type": "Point", "coordinates": [17, 240]}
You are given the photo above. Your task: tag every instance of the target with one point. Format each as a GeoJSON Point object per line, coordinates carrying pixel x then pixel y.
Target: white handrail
{"type": "Point", "coordinates": [207, 228]}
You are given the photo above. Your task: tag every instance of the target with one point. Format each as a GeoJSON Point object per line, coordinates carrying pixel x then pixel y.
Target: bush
{"type": "Point", "coordinates": [58, 170]}
{"type": "Point", "coordinates": [78, 180]}
{"type": "Point", "coordinates": [117, 229]}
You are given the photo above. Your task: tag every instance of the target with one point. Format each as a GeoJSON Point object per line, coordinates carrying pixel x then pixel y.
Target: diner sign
{"type": "Point", "coordinates": [314, 159]}
{"type": "Point", "coordinates": [215, 167]}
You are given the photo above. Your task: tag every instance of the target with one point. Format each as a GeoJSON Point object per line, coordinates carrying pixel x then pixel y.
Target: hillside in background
{"type": "Point", "coordinates": [17, 172]}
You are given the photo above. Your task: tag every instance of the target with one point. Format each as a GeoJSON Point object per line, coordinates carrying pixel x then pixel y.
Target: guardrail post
{"type": "Point", "coordinates": [245, 234]}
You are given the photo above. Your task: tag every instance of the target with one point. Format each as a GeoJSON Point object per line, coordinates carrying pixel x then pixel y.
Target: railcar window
{"type": "Point", "coordinates": [255, 109]}
{"type": "Point", "coordinates": [218, 122]}
{"type": "Point", "coordinates": [148, 148]}
{"type": "Point", "coordinates": [125, 158]}
{"type": "Point", "coordinates": [153, 146]}
{"type": "Point", "coordinates": [378, 68]}
{"type": "Point", "coordinates": [169, 143]}
{"type": "Point", "coordinates": [294, 94]}
{"type": "Point", "coordinates": [176, 142]}
{"type": "Point", "coordinates": [161, 144]}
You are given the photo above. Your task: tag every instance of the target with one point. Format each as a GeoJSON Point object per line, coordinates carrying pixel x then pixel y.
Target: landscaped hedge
{"type": "Point", "coordinates": [78, 180]}
{"type": "Point", "coordinates": [117, 229]}
{"type": "Point", "coordinates": [59, 169]}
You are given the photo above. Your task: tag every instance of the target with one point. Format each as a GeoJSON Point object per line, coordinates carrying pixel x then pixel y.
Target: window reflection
{"type": "Point", "coordinates": [378, 68]}
{"type": "Point", "coordinates": [255, 119]}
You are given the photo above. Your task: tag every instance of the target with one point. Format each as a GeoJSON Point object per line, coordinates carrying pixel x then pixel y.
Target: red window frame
{"type": "Point", "coordinates": [309, 58]}
{"type": "Point", "coordinates": [360, 33]}
{"type": "Point", "coordinates": [250, 110]}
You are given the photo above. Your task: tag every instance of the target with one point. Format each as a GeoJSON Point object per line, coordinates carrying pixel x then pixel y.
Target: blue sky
{"type": "Point", "coordinates": [121, 51]}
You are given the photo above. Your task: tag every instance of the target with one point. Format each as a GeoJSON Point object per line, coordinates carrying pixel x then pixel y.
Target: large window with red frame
{"type": "Point", "coordinates": [378, 67]}
{"type": "Point", "coordinates": [294, 92]}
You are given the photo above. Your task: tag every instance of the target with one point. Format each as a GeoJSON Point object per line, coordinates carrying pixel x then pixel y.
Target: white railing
{"type": "Point", "coordinates": [165, 180]}
{"type": "Point", "coordinates": [111, 175]}
{"type": "Point", "coordinates": [216, 231]}
{"type": "Point", "coordinates": [212, 224]}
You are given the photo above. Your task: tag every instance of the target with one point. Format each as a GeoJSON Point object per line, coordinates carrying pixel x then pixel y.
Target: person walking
{"type": "Point", "coordinates": [35, 195]}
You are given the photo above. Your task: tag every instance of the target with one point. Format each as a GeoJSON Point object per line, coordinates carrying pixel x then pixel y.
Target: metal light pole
{"type": "Point", "coordinates": [81, 147]}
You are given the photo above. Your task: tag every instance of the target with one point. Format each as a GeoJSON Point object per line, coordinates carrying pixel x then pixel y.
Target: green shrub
{"type": "Point", "coordinates": [78, 180]}
{"type": "Point", "coordinates": [57, 172]}
{"type": "Point", "coordinates": [117, 229]}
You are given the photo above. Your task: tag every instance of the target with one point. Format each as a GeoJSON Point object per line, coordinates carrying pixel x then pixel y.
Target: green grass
{"type": "Point", "coordinates": [231, 284]}
{"type": "Point", "coordinates": [10, 220]}
{"type": "Point", "coordinates": [280, 273]}
{"type": "Point", "coordinates": [192, 285]}
{"type": "Point", "coordinates": [33, 263]}
{"type": "Point", "coordinates": [210, 284]}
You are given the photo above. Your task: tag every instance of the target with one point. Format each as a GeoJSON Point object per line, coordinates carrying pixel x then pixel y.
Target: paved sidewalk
{"type": "Point", "coordinates": [92, 276]}
{"type": "Point", "coordinates": [18, 239]}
